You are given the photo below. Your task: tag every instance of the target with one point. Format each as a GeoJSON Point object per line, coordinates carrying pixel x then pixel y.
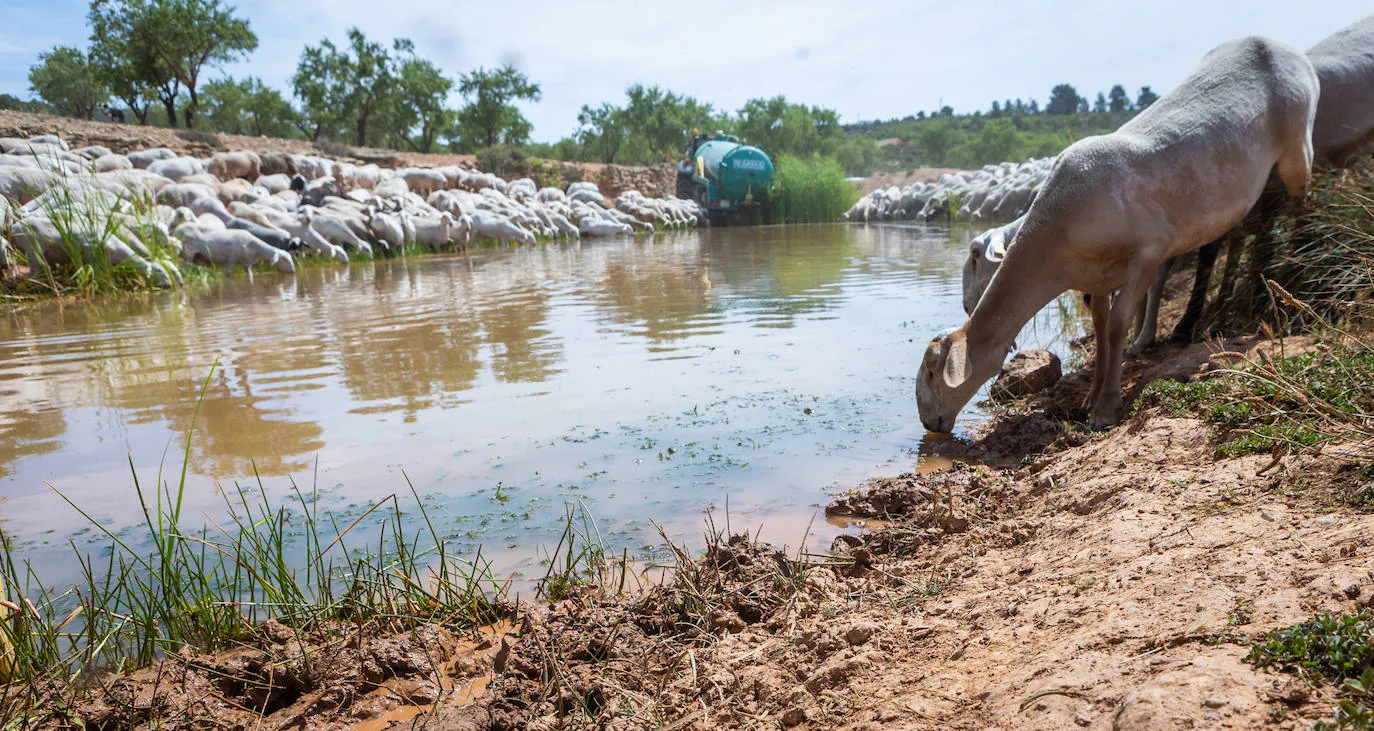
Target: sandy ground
{"type": "Point", "coordinates": [124, 138]}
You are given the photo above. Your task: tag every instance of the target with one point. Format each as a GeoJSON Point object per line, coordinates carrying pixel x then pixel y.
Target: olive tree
{"type": "Point", "coordinates": [65, 78]}
{"type": "Point", "coordinates": [168, 44]}
{"type": "Point", "coordinates": [343, 87]}
{"type": "Point", "coordinates": [489, 117]}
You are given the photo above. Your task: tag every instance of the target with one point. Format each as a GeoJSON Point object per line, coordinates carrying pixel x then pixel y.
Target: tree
{"type": "Point", "coordinates": [1083, 105]}
{"type": "Point", "coordinates": [997, 142]}
{"type": "Point", "coordinates": [946, 111]}
{"type": "Point", "coordinates": [421, 106]}
{"type": "Point", "coordinates": [133, 73]}
{"type": "Point", "coordinates": [490, 117]}
{"type": "Point", "coordinates": [1100, 105]}
{"type": "Point", "coordinates": [12, 102]}
{"type": "Point", "coordinates": [780, 127]}
{"type": "Point", "coordinates": [602, 131]}
{"type": "Point", "coordinates": [1033, 108]}
{"type": "Point", "coordinates": [66, 79]}
{"type": "Point", "coordinates": [1117, 101]}
{"type": "Point", "coordinates": [340, 88]}
{"type": "Point", "coordinates": [1145, 98]}
{"type": "Point", "coordinates": [937, 139]}
{"type": "Point", "coordinates": [1063, 100]}
{"type": "Point", "coordinates": [1007, 107]}
{"type": "Point", "coordinates": [247, 107]}
{"type": "Point", "coordinates": [171, 38]}
{"type": "Point", "coordinates": [996, 109]}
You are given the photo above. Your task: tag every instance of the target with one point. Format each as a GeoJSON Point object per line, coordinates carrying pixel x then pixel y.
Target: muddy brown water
{"type": "Point", "coordinates": [659, 378]}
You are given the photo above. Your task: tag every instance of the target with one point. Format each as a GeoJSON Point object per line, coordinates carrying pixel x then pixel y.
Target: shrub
{"type": "Point", "coordinates": [807, 191]}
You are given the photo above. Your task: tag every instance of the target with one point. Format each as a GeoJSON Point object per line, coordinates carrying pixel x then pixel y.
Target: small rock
{"type": "Point", "coordinates": [793, 717]}
{"type": "Point", "coordinates": [859, 632]}
{"type": "Point", "coordinates": [1082, 720]}
{"type": "Point", "coordinates": [888, 716]}
{"type": "Point", "coordinates": [1028, 372]}
{"type": "Point", "coordinates": [1214, 703]}
{"type": "Point", "coordinates": [728, 621]}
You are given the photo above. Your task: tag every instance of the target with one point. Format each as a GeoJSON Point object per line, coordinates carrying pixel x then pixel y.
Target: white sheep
{"type": "Point", "coordinates": [1116, 207]}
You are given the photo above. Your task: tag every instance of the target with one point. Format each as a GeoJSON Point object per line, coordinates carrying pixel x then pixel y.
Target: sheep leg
{"type": "Point", "coordinates": [1206, 259]}
{"type": "Point", "coordinates": [1106, 410]}
{"type": "Point", "coordinates": [1099, 306]}
{"type": "Point", "coordinates": [1148, 321]}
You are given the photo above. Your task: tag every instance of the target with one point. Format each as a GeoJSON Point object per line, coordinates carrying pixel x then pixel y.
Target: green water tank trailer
{"type": "Point", "coordinates": [722, 175]}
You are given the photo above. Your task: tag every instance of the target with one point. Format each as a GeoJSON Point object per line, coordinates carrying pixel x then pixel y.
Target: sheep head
{"type": "Point", "coordinates": [944, 384]}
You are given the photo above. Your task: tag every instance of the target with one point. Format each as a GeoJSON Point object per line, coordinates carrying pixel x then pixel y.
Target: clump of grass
{"type": "Point", "coordinates": [179, 587]}
{"type": "Point", "coordinates": [1288, 403]}
{"type": "Point", "coordinates": [87, 221]}
{"type": "Point", "coordinates": [583, 557]}
{"type": "Point", "coordinates": [1332, 648]}
{"type": "Point", "coordinates": [808, 191]}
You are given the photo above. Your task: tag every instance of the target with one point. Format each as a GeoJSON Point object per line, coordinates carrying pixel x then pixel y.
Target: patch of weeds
{"type": "Point", "coordinates": [1332, 648]}
{"type": "Point", "coordinates": [1242, 613]}
{"type": "Point", "coordinates": [1287, 404]}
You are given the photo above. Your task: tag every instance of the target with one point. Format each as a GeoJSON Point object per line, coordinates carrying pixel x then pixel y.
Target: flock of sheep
{"type": "Point", "coordinates": [994, 193]}
{"type": "Point", "coordinates": [240, 209]}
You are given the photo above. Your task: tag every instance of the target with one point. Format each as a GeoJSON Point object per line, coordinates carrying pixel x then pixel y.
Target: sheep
{"type": "Point", "coordinates": [276, 163]}
{"type": "Point", "coordinates": [298, 227]}
{"type": "Point", "coordinates": [422, 180]}
{"type": "Point", "coordinates": [274, 183]}
{"type": "Point", "coordinates": [495, 228]}
{"type": "Point", "coordinates": [22, 185]}
{"type": "Point", "coordinates": [46, 243]}
{"type": "Point", "coordinates": [53, 140]}
{"type": "Point", "coordinates": [199, 198]}
{"type": "Point", "coordinates": [985, 254]}
{"type": "Point", "coordinates": [230, 248]}
{"type": "Point", "coordinates": [176, 168]}
{"type": "Point", "coordinates": [94, 152]}
{"type": "Point", "coordinates": [436, 233]}
{"type": "Point", "coordinates": [237, 189]}
{"type": "Point", "coordinates": [227, 165]}
{"type": "Point", "coordinates": [1116, 207]}
{"type": "Point", "coordinates": [271, 236]}
{"type": "Point", "coordinates": [143, 158]}
{"type": "Point", "coordinates": [336, 232]}
{"type": "Point", "coordinates": [1344, 127]}
{"type": "Point", "coordinates": [388, 228]}
{"type": "Point", "coordinates": [111, 161]}
{"type": "Point", "coordinates": [1342, 130]}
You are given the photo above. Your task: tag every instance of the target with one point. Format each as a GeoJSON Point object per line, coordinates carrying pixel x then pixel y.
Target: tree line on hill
{"type": "Point", "coordinates": [147, 63]}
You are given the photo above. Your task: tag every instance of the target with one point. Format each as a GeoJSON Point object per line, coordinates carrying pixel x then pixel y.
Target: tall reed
{"type": "Point", "coordinates": [808, 191]}
{"type": "Point", "coordinates": [205, 588]}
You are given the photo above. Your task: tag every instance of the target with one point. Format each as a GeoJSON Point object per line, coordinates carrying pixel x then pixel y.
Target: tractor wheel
{"type": "Point", "coordinates": [684, 186]}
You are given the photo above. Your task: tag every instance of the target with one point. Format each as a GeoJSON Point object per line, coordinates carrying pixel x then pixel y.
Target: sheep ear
{"type": "Point", "coordinates": [996, 250]}
{"type": "Point", "coordinates": [956, 363]}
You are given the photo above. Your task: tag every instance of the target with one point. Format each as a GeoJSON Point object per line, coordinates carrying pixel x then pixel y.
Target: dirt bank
{"type": "Point", "coordinates": [655, 182]}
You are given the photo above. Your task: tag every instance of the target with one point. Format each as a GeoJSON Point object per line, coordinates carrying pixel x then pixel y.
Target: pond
{"type": "Point", "coordinates": [748, 372]}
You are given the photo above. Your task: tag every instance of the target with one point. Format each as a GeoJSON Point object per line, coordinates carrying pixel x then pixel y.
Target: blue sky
{"type": "Point", "coordinates": [866, 59]}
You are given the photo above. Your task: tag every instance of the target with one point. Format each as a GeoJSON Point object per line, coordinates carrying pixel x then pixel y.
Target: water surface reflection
{"type": "Point", "coordinates": [650, 378]}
